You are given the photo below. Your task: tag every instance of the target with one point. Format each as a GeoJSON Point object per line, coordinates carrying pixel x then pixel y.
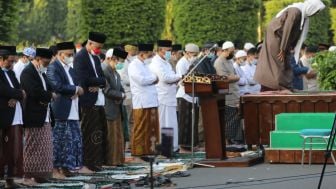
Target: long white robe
{"type": "Point", "coordinates": [166, 89]}
{"type": "Point", "coordinates": [249, 70]}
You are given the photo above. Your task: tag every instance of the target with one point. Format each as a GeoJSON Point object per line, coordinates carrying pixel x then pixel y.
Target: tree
{"type": "Point", "coordinates": [76, 29]}
{"type": "Point", "coordinates": [9, 21]}
{"type": "Point", "coordinates": [200, 21]}
{"type": "Point", "coordinates": [42, 22]}
{"type": "Point", "coordinates": [319, 31]}
{"type": "Point", "coordinates": [122, 21]}
{"type": "Point", "coordinates": [333, 24]}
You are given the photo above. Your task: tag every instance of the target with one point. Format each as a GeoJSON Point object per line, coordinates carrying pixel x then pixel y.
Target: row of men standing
{"type": "Point", "coordinates": [50, 93]}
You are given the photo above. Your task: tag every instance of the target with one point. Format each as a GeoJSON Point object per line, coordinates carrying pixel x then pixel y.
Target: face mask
{"type": "Point", "coordinates": [96, 51]}
{"type": "Point", "coordinates": [230, 56]}
{"type": "Point", "coordinates": [168, 56]}
{"type": "Point", "coordinates": [192, 59]}
{"type": "Point", "coordinates": [254, 62]}
{"type": "Point", "coordinates": [43, 69]}
{"type": "Point", "coordinates": [5, 69]}
{"type": "Point", "coordinates": [68, 60]}
{"type": "Point", "coordinates": [211, 56]}
{"type": "Point", "coordinates": [119, 66]}
{"type": "Point", "coordinates": [148, 61]}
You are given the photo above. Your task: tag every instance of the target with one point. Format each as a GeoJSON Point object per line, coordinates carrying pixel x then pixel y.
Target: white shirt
{"type": "Point", "coordinates": [182, 68]}
{"type": "Point", "coordinates": [144, 94]}
{"type": "Point", "coordinates": [249, 70]}
{"type": "Point", "coordinates": [100, 99]}
{"type": "Point", "coordinates": [166, 87]}
{"type": "Point", "coordinates": [18, 68]}
{"type": "Point", "coordinates": [74, 113]}
{"type": "Point", "coordinates": [242, 83]}
{"type": "Point", "coordinates": [18, 120]}
{"type": "Point", "coordinates": [309, 84]}
{"type": "Point", "coordinates": [125, 81]}
{"type": "Point", "coordinates": [47, 119]}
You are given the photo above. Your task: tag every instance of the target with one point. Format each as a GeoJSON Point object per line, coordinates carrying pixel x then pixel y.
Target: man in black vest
{"type": "Point", "coordinates": [11, 120]}
{"type": "Point", "coordinates": [92, 80]}
{"type": "Point", "coordinates": [38, 150]}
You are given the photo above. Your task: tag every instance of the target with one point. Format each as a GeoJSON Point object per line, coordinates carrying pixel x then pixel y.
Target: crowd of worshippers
{"type": "Point", "coordinates": [73, 109]}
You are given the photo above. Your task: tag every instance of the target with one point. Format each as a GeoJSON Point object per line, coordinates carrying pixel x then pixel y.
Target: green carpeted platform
{"type": "Point", "coordinates": [299, 121]}
{"type": "Point", "coordinates": [288, 126]}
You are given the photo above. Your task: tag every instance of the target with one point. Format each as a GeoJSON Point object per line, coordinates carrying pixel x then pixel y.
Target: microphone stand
{"type": "Point", "coordinates": [191, 72]}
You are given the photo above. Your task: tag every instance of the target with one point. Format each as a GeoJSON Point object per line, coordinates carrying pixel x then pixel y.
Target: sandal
{"type": "Point", "coordinates": [178, 174]}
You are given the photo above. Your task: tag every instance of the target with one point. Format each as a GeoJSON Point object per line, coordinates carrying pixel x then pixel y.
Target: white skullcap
{"type": "Point", "coordinates": [332, 49]}
{"type": "Point", "coordinates": [190, 47]}
{"type": "Point", "coordinates": [227, 45]}
{"type": "Point", "coordinates": [248, 46]}
{"type": "Point", "coordinates": [29, 51]}
{"type": "Point", "coordinates": [240, 53]}
{"type": "Point", "coordinates": [109, 53]}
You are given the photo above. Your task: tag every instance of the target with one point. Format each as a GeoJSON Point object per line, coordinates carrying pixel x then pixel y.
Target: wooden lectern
{"type": "Point", "coordinates": [212, 101]}
{"type": "Point", "coordinates": [210, 96]}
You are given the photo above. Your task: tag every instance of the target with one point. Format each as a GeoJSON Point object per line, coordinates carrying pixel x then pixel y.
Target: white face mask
{"type": "Point", "coordinates": [148, 61]}
{"type": "Point", "coordinates": [192, 59]}
{"type": "Point", "coordinates": [68, 60]}
{"type": "Point", "coordinates": [43, 69]}
{"type": "Point", "coordinates": [254, 62]}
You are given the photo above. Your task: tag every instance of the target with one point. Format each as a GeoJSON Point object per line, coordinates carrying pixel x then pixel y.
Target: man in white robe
{"type": "Point", "coordinates": [242, 82]}
{"type": "Point", "coordinates": [249, 70]}
{"type": "Point", "coordinates": [166, 88]}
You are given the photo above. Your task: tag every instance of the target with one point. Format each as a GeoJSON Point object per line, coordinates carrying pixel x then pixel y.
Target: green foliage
{"type": "Point", "coordinates": [123, 21]}
{"type": "Point", "coordinates": [167, 32]}
{"type": "Point", "coordinates": [76, 30]}
{"type": "Point", "coordinates": [200, 21]}
{"type": "Point", "coordinates": [42, 22]}
{"type": "Point", "coordinates": [325, 64]}
{"type": "Point", "coordinates": [333, 24]}
{"type": "Point", "coordinates": [319, 25]}
{"type": "Point", "coordinates": [9, 21]}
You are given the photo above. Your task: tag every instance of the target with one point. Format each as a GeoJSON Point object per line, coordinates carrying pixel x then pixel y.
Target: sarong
{"type": "Point", "coordinates": [185, 123]}
{"type": "Point", "coordinates": [145, 134]}
{"type": "Point", "coordinates": [93, 128]}
{"type": "Point", "coordinates": [38, 152]}
{"type": "Point", "coordinates": [124, 121]}
{"type": "Point", "coordinates": [67, 140]}
{"type": "Point", "coordinates": [11, 151]}
{"type": "Point", "coordinates": [115, 143]}
{"type": "Point", "coordinates": [233, 127]}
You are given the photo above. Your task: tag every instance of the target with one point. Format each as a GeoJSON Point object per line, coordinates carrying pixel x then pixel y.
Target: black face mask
{"type": "Point", "coordinates": [230, 56]}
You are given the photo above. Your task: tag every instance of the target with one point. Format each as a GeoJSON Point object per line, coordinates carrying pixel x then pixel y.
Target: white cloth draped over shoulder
{"type": "Point", "coordinates": [307, 8]}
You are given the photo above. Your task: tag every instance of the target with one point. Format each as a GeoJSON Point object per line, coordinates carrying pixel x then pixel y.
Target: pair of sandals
{"type": "Point", "coordinates": [158, 182]}
{"type": "Point", "coordinates": [178, 174]}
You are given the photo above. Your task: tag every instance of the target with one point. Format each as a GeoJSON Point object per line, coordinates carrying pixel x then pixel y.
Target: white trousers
{"type": "Point", "coordinates": [168, 118]}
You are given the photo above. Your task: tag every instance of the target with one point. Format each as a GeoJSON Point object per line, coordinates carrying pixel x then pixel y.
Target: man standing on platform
{"type": "Point", "coordinates": [11, 120]}
{"type": "Point", "coordinates": [92, 80]}
{"type": "Point", "coordinates": [224, 67]}
{"type": "Point", "coordinates": [146, 127]}
{"type": "Point", "coordinates": [166, 88]}
{"type": "Point", "coordinates": [185, 101]}
{"type": "Point", "coordinates": [287, 31]}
